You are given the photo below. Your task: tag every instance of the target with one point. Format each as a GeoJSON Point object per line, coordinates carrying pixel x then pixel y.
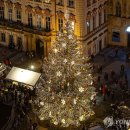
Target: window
{"type": "Point", "coordinates": [105, 16]}
{"type": "Point", "coordinates": [3, 37]}
{"type": "Point", "coordinates": [60, 23]}
{"type": "Point", "coordinates": [116, 36]}
{"type": "Point", "coordinates": [94, 22]}
{"type": "Point", "coordinates": [48, 23]}
{"type": "Point", "coordinates": [18, 16]}
{"type": "Point", "coordinates": [118, 9]}
{"type": "Point", "coordinates": [71, 3]}
{"type": "Point", "coordinates": [37, 0]}
{"type": "Point", "coordinates": [1, 12]}
{"type": "Point", "coordinates": [88, 3]}
{"type": "Point", "coordinates": [46, 1]}
{"type": "Point", "coordinates": [38, 21]}
{"type": "Point", "coordinates": [30, 22]}
{"type": "Point", "coordinates": [11, 39]}
{"type": "Point", "coordinates": [88, 26]}
{"type": "Point", "coordinates": [94, 1]}
{"type": "Point", "coordinates": [19, 44]}
{"type": "Point", "coordinates": [60, 2]}
{"type": "Point", "coordinates": [10, 14]}
{"type": "Point", "coordinates": [100, 18]}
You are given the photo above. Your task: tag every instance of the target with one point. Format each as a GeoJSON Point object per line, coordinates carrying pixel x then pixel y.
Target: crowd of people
{"type": "Point", "coordinates": [112, 82]}
{"type": "Point", "coordinates": [21, 95]}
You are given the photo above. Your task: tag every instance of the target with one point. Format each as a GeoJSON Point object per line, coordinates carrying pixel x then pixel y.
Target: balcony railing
{"type": "Point", "coordinates": [24, 27]}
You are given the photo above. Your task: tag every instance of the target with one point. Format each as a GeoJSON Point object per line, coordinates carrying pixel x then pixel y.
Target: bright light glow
{"type": "Point", "coordinates": [55, 50]}
{"type": "Point", "coordinates": [63, 101]}
{"type": "Point", "coordinates": [128, 29]}
{"type": "Point", "coordinates": [63, 121]}
{"type": "Point", "coordinates": [66, 15]}
{"type": "Point", "coordinates": [23, 76]}
{"type": "Point", "coordinates": [72, 24]}
{"type": "Point", "coordinates": [81, 118]}
{"type": "Point", "coordinates": [88, 24]}
{"type": "Point", "coordinates": [32, 67]}
{"type": "Point", "coordinates": [81, 89]}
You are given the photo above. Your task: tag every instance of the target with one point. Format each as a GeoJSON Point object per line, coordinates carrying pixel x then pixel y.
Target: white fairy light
{"type": "Point", "coordinates": [78, 73]}
{"type": "Point", "coordinates": [63, 121]}
{"type": "Point", "coordinates": [63, 45]}
{"type": "Point", "coordinates": [63, 101]}
{"type": "Point", "coordinates": [81, 89]}
{"type": "Point", "coordinates": [75, 101]}
{"type": "Point", "coordinates": [65, 61]}
{"type": "Point", "coordinates": [72, 63]}
{"type": "Point", "coordinates": [81, 118]}
{"type": "Point", "coordinates": [58, 73]}
{"type": "Point", "coordinates": [55, 50]}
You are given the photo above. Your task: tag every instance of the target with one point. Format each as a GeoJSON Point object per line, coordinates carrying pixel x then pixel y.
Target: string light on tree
{"type": "Point", "coordinates": [66, 88]}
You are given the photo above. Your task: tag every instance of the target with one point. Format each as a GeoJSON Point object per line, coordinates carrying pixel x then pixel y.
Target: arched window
{"type": "Point", "coordinates": [118, 9]}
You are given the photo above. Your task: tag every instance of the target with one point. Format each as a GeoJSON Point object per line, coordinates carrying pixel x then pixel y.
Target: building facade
{"type": "Point", "coordinates": [119, 22]}
{"type": "Point", "coordinates": [32, 24]}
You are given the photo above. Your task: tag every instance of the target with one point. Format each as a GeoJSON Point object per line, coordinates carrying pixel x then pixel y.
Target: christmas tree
{"type": "Point", "coordinates": [65, 88]}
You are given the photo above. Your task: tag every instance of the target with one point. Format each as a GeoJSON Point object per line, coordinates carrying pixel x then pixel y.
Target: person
{"type": "Point", "coordinates": [125, 77]}
{"type": "Point", "coordinates": [99, 78]}
{"type": "Point", "coordinates": [106, 76]}
{"type": "Point", "coordinates": [34, 126]}
{"type": "Point", "coordinates": [92, 57]}
{"type": "Point", "coordinates": [104, 90]}
{"type": "Point", "coordinates": [3, 52]}
{"type": "Point", "coordinates": [112, 74]}
{"type": "Point", "coordinates": [100, 69]}
{"type": "Point", "coordinates": [116, 52]}
{"type": "Point", "coordinates": [112, 95]}
{"type": "Point", "coordinates": [108, 93]}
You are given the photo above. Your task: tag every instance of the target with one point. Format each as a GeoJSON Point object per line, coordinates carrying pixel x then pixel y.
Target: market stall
{"type": "Point", "coordinates": [23, 76]}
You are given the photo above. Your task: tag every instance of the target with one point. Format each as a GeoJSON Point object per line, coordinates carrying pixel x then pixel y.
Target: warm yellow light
{"type": "Point", "coordinates": [32, 67]}
{"type": "Point", "coordinates": [55, 50]}
{"type": "Point", "coordinates": [72, 23]}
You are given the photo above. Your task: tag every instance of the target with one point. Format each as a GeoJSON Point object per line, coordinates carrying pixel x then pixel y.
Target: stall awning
{"type": "Point", "coordinates": [23, 76]}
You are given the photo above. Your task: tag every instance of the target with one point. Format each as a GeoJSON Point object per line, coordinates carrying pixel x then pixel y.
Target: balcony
{"type": "Point", "coordinates": [23, 27]}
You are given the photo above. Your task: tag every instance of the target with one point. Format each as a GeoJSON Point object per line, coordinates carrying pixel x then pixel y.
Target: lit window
{"type": "Point", "coordinates": [48, 23]}
{"type": "Point", "coordinates": [71, 3]}
{"type": "Point", "coordinates": [88, 26]}
{"type": "Point", "coordinates": [46, 1]}
{"type": "Point", "coordinates": [1, 12]}
{"type": "Point", "coordinates": [18, 15]}
{"type": "Point", "coordinates": [38, 21]}
{"type": "Point", "coordinates": [60, 23]}
{"type": "Point", "coordinates": [10, 14]}
{"type": "Point", "coordinates": [3, 37]}
{"type": "Point", "coordinates": [30, 21]}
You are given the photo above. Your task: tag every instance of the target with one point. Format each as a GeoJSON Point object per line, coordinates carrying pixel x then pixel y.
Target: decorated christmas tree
{"type": "Point", "coordinates": [65, 89]}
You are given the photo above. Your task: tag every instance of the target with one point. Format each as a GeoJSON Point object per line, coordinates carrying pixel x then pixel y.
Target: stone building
{"type": "Point", "coordinates": [119, 22]}
{"type": "Point", "coordinates": [32, 24]}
